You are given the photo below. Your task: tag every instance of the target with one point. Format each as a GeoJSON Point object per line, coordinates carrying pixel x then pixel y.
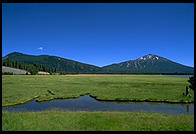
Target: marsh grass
{"type": "Point", "coordinates": [95, 121]}
{"type": "Point", "coordinates": [20, 88]}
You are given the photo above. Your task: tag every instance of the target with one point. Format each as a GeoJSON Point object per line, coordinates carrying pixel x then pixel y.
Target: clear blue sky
{"type": "Point", "coordinates": [100, 33]}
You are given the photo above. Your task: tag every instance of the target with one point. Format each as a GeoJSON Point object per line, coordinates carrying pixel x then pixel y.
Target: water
{"type": "Point", "coordinates": [86, 103]}
{"type": "Point", "coordinates": [180, 76]}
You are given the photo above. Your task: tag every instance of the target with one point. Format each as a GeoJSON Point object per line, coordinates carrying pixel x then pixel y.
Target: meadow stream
{"type": "Point", "coordinates": [87, 103]}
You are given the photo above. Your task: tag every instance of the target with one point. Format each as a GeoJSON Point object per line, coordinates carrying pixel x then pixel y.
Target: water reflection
{"type": "Point", "coordinates": [187, 108]}
{"type": "Point", "coordinates": [180, 76]}
{"type": "Point", "coordinates": [86, 103]}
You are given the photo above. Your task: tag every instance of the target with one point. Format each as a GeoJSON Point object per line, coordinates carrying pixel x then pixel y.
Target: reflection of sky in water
{"type": "Point", "coordinates": [86, 103]}
{"type": "Point", "coordinates": [179, 76]}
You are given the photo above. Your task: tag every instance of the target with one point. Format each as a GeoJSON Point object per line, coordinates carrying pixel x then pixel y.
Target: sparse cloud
{"type": "Point", "coordinates": [40, 48]}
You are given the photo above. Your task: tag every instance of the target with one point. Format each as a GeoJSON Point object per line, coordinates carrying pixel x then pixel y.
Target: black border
{"type": "Point", "coordinates": [97, 1]}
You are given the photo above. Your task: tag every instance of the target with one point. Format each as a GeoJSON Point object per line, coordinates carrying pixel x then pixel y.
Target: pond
{"type": "Point", "coordinates": [87, 103]}
{"type": "Point", "coordinates": [180, 76]}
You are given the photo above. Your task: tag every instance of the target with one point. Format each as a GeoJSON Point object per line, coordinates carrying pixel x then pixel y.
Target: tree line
{"type": "Point", "coordinates": [32, 68]}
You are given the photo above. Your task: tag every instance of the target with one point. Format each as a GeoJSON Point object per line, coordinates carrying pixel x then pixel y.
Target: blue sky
{"type": "Point", "coordinates": [100, 33]}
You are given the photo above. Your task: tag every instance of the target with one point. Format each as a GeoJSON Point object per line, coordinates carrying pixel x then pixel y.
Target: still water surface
{"type": "Point", "coordinates": [180, 76]}
{"type": "Point", "coordinates": [86, 103]}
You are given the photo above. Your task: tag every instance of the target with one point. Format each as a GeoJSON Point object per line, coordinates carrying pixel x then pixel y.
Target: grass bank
{"type": "Point", "coordinates": [20, 88]}
{"type": "Point", "coordinates": [95, 121]}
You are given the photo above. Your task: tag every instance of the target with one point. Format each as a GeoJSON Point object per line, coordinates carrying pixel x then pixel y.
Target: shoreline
{"type": "Point", "coordinates": [95, 97]}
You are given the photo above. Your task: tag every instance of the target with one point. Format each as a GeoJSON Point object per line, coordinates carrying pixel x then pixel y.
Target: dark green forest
{"type": "Point", "coordinates": [32, 68]}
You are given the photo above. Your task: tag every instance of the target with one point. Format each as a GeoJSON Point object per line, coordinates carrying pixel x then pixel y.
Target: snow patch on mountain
{"type": "Point", "coordinates": [150, 56]}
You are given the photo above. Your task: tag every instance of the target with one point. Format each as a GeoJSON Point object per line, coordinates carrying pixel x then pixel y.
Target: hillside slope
{"type": "Point", "coordinates": [60, 64]}
{"type": "Point", "coordinates": [13, 70]}
{"type": "Point", "coordinates": [149, 64]}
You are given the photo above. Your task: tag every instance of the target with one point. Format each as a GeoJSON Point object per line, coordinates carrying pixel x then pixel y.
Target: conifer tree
{"type": "Point", "coordinates": [191, 81]}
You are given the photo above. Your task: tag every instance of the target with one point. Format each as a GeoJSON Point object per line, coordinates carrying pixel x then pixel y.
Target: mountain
{"type": "Point", "coordinates": [60, 64]}
{"type": "Point", "coordinates": [149, 64]}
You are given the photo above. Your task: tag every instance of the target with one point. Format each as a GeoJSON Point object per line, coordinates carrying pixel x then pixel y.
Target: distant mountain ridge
{"type": "Point", "coordinates": [146, 64]}
{"type": "Point", "coordinates": [149, 64]}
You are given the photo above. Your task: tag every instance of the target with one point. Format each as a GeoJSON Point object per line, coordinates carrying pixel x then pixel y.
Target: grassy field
{"type": "Point", "coordinates": [95, 121]}
{"type": "Point", "coordinates": [18, 89]}
{"type": "Point", "coordinates": [21, 88]}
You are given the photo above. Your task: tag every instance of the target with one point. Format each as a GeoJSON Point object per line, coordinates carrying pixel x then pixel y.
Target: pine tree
{"type": "Point", "coordinates": [191, 81]}
{"type": "Point", "coordinates": [4, 63]}
{"type": "Point", "coordinates": [19, 66]}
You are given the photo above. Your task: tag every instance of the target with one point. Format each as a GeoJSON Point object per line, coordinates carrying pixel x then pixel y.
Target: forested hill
{"type": "Point", "coordinates": [48, 63]}
{"type": "Point", "coordinates": [149, 64]}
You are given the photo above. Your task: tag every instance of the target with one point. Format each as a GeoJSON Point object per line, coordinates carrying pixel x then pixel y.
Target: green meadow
{"type": "Point", "coordinates": [17, 89]}
{"type": "Point", "coordinates": [95, 121]}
